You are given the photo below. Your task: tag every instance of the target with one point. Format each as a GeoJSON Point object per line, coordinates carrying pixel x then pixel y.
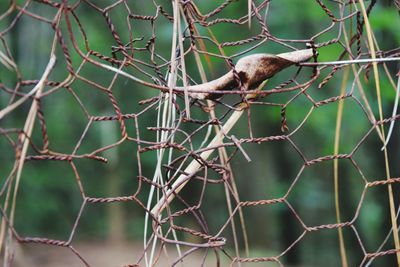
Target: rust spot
{"type": "Point", "coordinates": [271, 65]}
{"type": "Point", "coordinates": [243, 77]}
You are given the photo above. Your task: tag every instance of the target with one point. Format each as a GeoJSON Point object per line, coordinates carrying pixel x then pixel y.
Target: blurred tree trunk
{"type": "Point", "coordinates": [115, 213]}
{"type": "Point", "coordinates": [288, 233]}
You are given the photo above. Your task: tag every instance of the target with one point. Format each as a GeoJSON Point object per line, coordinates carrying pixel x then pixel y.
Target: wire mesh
{"type": "Point", "coordinates": [136, 96]}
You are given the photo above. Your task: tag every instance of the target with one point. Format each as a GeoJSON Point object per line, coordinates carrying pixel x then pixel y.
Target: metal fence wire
{"type": "Point", "coordinates": [216, 168]}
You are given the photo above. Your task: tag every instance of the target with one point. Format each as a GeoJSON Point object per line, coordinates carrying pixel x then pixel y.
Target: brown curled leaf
{"type": "Point", "coordinates": [252, 71]}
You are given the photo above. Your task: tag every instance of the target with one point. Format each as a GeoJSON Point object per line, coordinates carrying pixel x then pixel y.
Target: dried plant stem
{"type": "Point", "coordinates": [28, 128]}
{"type": "Point", "coordinates": [7, 62]}
{"type": "Point", "coordinates": [394, 112]}
{"type": "Point", "coordinates": [249, 3]}
{"type": "Point", "coordinates": [339, 118]}
{"type": "Point", "coordinates": [194, 166]}
{"type": "Point", "coordinates": [182, 61]}
{"type": "Point", "coordinates": [378, 92]}
{"type": "Point", "coordinates": [352, 61]}
{"type": "Point", "coordinates": [35, 89]}
{"type": "Point", "coordinates": [224, 156]}
{"type": "Point", "coordinates": [165, 119]}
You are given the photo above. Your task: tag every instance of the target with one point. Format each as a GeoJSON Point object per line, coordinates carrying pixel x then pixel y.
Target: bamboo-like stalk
{"type": "Point", "coordinates": [272, 64]}
{"type": "Point", "coordinates": [7, 62]}
{"type": "Point", "coordinates": [224, 156]}
{"type": "Point", "coordinates": [195, 165]}
{"type": "Point", "coordinates": [351, 61]}
{"type": "Point", "coordinates": [165, 118]}
{"type": "Point", "coordinates": [338, 131]}
{"type": "Point", "coordinates": [249, 2]}
{"type": "Point", "coordinates": [338, 128]}
{"type": "Point", "coordinates": [387, 167]}
{"type": "Point", "coordinates": [28, 128]}
{"type": "Point", "coordinates": [222, 150]}
{"type": "Point", "coordinates": [35, 89]}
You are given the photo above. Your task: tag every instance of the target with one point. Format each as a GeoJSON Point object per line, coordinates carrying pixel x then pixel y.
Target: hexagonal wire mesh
{"type": "Point", "coordinates": [289, 174]}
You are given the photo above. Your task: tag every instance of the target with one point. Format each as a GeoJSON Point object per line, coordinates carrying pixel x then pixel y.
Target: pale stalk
{"type": "Point", "coordinates": [224, 161]}
{"type": "Point", "coordinates": [28, 128]}
{"type": "Point", "coordinates": [167, 118]}
{"type": "Point", "coordinates": [339, 118]}
{"type": "Point", "coordinates": [378, 92]}
{"type": "Point", "coordinates": [194, 166]}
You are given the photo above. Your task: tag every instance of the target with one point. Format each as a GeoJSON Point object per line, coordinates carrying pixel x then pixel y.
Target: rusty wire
{"type": "Point", "coordinates": [75, 51]}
